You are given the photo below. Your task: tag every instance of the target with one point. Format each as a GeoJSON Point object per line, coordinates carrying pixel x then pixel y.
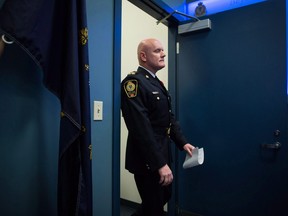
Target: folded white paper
{"type": "Point", "coordinates": [196, 159]}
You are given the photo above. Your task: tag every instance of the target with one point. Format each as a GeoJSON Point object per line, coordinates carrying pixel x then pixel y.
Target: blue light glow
{"type": "Point", "coordinates": [216, 6]}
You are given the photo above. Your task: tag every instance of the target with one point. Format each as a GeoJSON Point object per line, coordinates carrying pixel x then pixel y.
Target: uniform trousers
{"type": "Point", "coordinates": [153, 195]}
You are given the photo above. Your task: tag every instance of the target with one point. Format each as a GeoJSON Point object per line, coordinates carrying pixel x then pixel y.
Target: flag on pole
{"type": "Point", "coordinates": [54, 33]}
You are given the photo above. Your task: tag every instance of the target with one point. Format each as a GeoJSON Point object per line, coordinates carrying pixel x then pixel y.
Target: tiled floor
{"type": "Point", "coordinates": [128, 207]}
{"type": "Point", "coordinates": [127, 210]}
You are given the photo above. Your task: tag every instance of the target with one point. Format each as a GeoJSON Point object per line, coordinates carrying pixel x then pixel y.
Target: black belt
{"type": "Point", "coordinates": [163, 130]}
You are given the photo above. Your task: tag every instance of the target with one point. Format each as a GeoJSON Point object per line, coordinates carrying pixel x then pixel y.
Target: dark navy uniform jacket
{"type": "Point", "coordinates": [146, 108]}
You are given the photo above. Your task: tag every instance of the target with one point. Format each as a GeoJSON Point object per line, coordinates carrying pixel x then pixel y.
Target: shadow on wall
{"type": "Point", "coordinates": [29, 116]}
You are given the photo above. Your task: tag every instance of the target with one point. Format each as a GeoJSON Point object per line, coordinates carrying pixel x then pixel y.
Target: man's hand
{"type": "Point", "coordinates": [166, 176]}
{"type": "Point", "coordinates": [188, 148]}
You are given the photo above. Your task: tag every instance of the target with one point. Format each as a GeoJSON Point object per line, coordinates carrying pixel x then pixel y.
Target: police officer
{"type": "Point", "coordinates": [146, 108]}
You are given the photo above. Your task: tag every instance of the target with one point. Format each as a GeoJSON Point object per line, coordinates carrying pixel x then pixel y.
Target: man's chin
{"type": "Point", "coordinates": [161, 66]}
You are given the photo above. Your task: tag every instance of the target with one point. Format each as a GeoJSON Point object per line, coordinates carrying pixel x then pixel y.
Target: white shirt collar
{"type": "Point", "coordinates": [152, 74]}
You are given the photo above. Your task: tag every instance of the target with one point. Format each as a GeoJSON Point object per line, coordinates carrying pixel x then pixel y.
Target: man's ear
{"type": "Point", "coordinates": [143, 56]}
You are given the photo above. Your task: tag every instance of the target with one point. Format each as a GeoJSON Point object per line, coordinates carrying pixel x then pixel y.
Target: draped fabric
{"type": "Point", "coordinates": [54, 33]}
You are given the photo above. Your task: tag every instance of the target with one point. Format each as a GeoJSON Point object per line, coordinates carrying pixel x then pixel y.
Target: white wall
{"type": "Point", "coordinates": [136, 26]}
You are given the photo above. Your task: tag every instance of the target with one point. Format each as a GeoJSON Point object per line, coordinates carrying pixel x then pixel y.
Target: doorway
{"type": "Point", "coordinates": [136, 26]}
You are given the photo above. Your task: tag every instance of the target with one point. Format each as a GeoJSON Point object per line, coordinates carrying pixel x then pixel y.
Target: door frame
{"type": "Point", "coordinates": [116, 108]}
{"type": "Point", "coordinates": [158, 13]}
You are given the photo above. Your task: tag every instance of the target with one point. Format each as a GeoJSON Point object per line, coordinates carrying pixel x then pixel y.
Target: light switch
{"type": "Point", "coordinates": [98, 110]}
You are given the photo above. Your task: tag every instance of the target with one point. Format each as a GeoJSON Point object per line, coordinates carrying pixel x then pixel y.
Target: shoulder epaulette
{"type": "Point", "coordinates": [133, 73]}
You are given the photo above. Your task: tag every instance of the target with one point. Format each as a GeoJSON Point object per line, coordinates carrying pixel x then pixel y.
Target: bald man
{"type": "Point", "coordinates": [146, 108]}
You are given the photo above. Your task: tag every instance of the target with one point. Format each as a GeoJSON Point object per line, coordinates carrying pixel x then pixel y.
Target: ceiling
{"type": "Point", "coordinates": [199, 8]}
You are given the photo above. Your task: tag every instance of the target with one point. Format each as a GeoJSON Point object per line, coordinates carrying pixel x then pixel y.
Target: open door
{"type": "Point", "coordinates": [231, 99]}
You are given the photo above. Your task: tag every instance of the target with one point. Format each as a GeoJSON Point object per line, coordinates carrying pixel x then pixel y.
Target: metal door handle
{"type": "Point", "coordinates": [276, 145]}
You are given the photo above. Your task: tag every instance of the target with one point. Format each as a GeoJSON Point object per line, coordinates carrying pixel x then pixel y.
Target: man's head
{"type": "Point", "coordinates": [151, 54]}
